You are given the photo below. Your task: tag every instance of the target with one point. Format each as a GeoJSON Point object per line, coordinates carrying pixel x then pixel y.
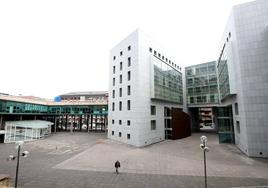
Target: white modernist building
{"type": "Point", "coordinates": [243, 76]}
{"type": "Point", "coordinates": [144, 85]}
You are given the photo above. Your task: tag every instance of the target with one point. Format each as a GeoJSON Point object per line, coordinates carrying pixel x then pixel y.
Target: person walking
{"type": "Point", "coordinates": [117, 165]}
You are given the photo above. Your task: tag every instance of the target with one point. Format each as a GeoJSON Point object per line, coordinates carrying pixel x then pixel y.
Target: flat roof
{"type": "Point", "coordinates": [86, 93]}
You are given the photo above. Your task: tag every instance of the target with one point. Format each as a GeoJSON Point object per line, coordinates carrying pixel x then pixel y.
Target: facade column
{"type": "Point", "coordinates": [35, 117]}
{"type": "Point", "coordinates": [55, 124]}
{"type": "Point", "coordinates": [80, 122]}
{"type": "Point", "coordinates": [71, 127]}
{"type": "Point", "coordinates": [20, 117]}
{"type": "Point", "coordinates": [1, 121]}
{"type": "Point", "coordinates": [66, 122]}
{"type": "Point", "coordinates": [91, 122]}
{"type": "Point", "coordinates": [87, 121]}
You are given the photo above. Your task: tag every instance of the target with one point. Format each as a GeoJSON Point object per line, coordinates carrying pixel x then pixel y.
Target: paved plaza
{"type": "Point", "coordinates": [87, 160]}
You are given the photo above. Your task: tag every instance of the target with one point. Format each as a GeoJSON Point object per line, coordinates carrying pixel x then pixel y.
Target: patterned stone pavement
{"type": "Point", "coordinates": [86, 160]}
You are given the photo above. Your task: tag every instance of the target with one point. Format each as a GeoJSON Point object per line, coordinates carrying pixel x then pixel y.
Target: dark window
{"type": "Point", "coordinates": [128, 104]}
{"type": "Point", "coordinates": [153, 125]}
{"type": "Point", "coordinates": [121, 53]}
{"type": "Point", "coordinates": [121, 65]}
{"type": "Point", "coordinates": [114, 57]}
{"type": "Point", "coordinates": [113, 106]}
{"type": "Point", "coordinates": [129, 61]}
{"type": "Point", "coordinates": [153, 110]}
{"type": "Point", "coordinates": [120, 79]}
{"type": "Point", "coordinates": [128, 122]}
{"type": "Point", "coordinates": [112, 121]}
{"type": "Point", "coordinates": [129, 48]}
{"type": "Point", "coordinates": [163, 57]}
{"type": "Point", "coordinates": [113, 69]}
{"type": "Point", "coordinates": [236, 109]}
{"type": "Point", "coordinates": [128, 75]}
{"type": "Point", "coordinates": [128, 90]}
{"type": "Point", "coordinates": [120, 92]}
{"type": "Point", "coordinates": [113, 93]}
{"type": "Point", "coordinates": [150, 49]}
{"type": "Point", "coordinates": [113, 81]}
{"type": "Point", "coordinates": [120, 122]}
{"type": "Point", "coordinates": [119, 134]}
{"type": "Point", "coordinates": [120, 106]}
{"type": "Point", "coordinates": [128, 136]}
{"type": "Point", "coordinates": [155, 52]}
{"type": "Point", "coordinates": [238, 127]}
{"type": "Point", "coordinates": [112, 132]}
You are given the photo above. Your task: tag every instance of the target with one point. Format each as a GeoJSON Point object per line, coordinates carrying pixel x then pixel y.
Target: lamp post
{"type": "Point", "coordinates": [12, 157]}
{"type": "Point", "coordinates": [205, 149]}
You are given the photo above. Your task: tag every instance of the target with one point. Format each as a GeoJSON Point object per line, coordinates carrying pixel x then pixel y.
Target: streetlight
{"type": "Point", "coordinates": [12, 157]}
{"type": "Point", "coordinates": [205, 149]}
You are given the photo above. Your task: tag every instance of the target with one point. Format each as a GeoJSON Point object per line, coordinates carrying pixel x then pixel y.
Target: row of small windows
{"type": "Point", "coordinates": [164, 59]}
{"type": "Point", "coordinates": [121, 78]}
{"type": "Point", "coordinates": [121, 91]}
{"type": "Point", "coordinates": [121, 52]}
{"type": "Point", "coordinates": [121, 65]}
{"type": "Point", "coordinates": [120, 135]}
{"type": "Point", "coordinates": [120, 122]}
{"type": "Point", "coordinates": [120, 106]}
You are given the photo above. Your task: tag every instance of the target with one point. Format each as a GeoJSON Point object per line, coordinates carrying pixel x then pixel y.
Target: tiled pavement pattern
{"type": "Point", "coordinates": [86, 160]}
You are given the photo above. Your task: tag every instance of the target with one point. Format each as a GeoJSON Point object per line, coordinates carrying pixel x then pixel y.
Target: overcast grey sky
{"type": "Point", "coordinates": [51, 47]}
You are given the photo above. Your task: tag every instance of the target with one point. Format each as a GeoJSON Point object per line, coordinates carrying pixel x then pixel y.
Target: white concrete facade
{"type": "Point", "coordinates": [246, 44]}
{"type": "Point", "coordinates": [136, 47]}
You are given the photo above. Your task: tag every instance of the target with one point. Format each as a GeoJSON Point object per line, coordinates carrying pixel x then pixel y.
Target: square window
{"type": "Point", "coordinates": [129, 48]}
{"type": "Point", "coordinates": [159, 55]}
{"type": "Point", "coordinates": [128, 75]}
{"type": "Point", "coordinates": [120, 106]}
{"type": "Point", "coordinates": [120, 122]}
{"type": "Point", "coordinates": [150, 49]}
{"type": "Point", "coordinates": [128, 90]}
{"type": "Point", "coordinates": [128, 122]}
{"type": "Point", "coordinates": [120, 92]}
{"type": "Point", "coordinates": [112, 132]}
{"type": "Point", "coordinates": [121, 65]}
{"type": "Point", "coordinates": [113, 93]}
{"type": "Point", "coordinates": [120, 79]}
{"type": "Point", "coordinates": [121, 53]}
{"type": "Point", "coordinates": [153, 124]}
{"type": "Point", "coordinates": [128, 136]}
{"type": "Point", "coordinates": [129, 61]}
{"type": "Point", "coordinates": [155, 52]}
{"type": "Point", "coordinates": [238, 127]}
{"type": "Point", "coordinates": [153, 110]}
{"type": "Point", "coordinates": [119, 134]}
{"type": "Point", "coordinates": [236, 109]}
{"type": "Point", "coordinates": [128, 104]}
{"type": "Point", "coordinates": [113, 81]}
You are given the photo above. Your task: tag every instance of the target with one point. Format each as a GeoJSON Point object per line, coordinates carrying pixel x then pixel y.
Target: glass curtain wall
{"type": "Point", "coordinates": [201, 84]}
{"type": "Point", "coordinates": [167, 82]}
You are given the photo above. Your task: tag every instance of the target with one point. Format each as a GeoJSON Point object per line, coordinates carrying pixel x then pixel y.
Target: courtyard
{"type": "Point", "coordinates": [87, 160]}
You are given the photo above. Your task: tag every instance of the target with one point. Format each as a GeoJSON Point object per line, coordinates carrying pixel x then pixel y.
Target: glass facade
{"type": "Point", "coordinates": [202, 84]}
{"type": "Point", "coordinates": [224, 87]}
{"type": "Point", "coordinates": [12, 107]}
{"type": "Point", "coordinates": [167, 82]}
{"type": "Point", "coordinates": [225, 124]}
